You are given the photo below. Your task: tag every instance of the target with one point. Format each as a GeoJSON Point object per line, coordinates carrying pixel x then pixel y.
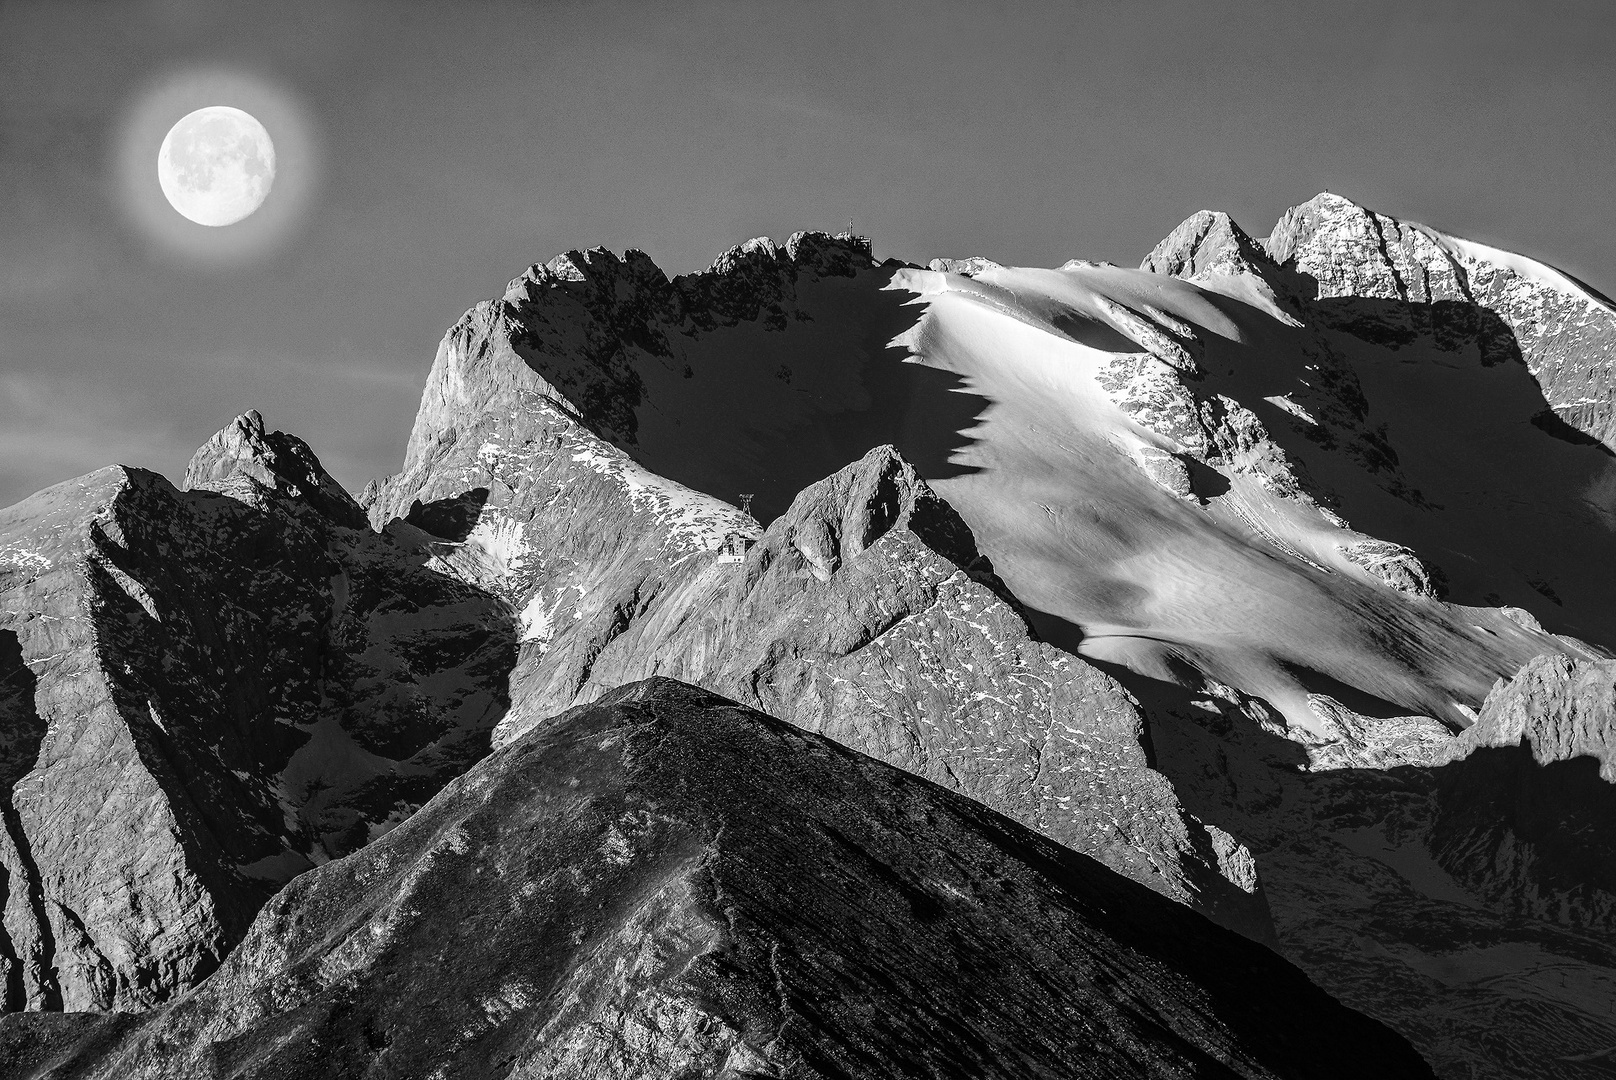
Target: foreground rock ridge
{"type": "Point", "coordinates": [1267, 575]}
{"type": "Point", "coordinates": [622, 893]}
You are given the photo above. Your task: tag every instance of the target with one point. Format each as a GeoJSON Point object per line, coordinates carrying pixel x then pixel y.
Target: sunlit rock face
{"type": "Point", "coordinates": [207, 692]}
{"type": "Point", "coordinates": [666, 884]}
{"type": "Point", "coordinates": [1529, 801]}
{"type": "Point", "coordinates": [1457, 291]}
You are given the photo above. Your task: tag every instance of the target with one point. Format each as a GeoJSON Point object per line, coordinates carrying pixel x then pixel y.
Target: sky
{"type": "Point", "coordinates": [428, 152]}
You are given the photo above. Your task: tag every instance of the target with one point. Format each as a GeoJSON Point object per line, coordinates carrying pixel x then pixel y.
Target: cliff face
{"type": "Point", "coordinates": [207, 692]}
{"type": "Point", "coordinates": [666, 884]}
{"type": "Point", "coordinates": [1452, 289]}
{"type": "Point", "coordinates": [613, 343]}
{"type": "Point", "coordinates": [1528, 804]}
{"type": "Point", "coordinates": [867, 613]}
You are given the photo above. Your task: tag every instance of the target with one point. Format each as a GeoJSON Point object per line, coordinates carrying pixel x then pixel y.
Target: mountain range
{"type": "Point", "coordinates": [825, 666]}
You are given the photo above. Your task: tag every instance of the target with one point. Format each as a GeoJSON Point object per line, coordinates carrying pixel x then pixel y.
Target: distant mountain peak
{"type": "Point", "coordinates": [1207, 242]}
{"type": "Point", "coordinates": [245, 450]}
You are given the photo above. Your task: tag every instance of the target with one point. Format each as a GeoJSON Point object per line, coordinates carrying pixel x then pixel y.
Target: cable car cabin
{"type": "Point", "coordinates": [733, 548]}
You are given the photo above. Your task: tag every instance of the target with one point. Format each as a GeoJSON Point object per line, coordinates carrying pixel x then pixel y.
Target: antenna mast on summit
{"type": "Point", "coordinates": [746, 504]}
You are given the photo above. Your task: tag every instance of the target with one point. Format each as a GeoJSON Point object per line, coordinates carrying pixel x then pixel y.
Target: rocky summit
{"type": "Point", "coordinates": [207, 692]}
{"type": "Point", "coordinates": [1124, 628]}
{"type": "Point", "coordinates": [666, 884]}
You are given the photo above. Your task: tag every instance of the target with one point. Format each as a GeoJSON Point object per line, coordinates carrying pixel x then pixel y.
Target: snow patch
{"type": "Point", "coordinates": [500, 543]}
{"type": "Point", "coordinates": [1527, 269]}
{"type": "Point", "coordinates": [20, 558]}
{"type": "Point", "coordinates": [694, 521]}
{"type": "Point", "coordinates": [537, 618]}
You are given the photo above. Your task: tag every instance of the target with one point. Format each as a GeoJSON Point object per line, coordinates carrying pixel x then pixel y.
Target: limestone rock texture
{"type": "Point", "coordinates": [206, 692]}
{"type": "Point", "coordinates": [1518, 308]}
{"type": "Point", "coordinates": [666, 884]}
{"type": "Point", "coordinates": [865, 610]}
{"type": "Point", "coordinates": [1434, 897]}
{"type": "Point", "coordinates": [1528, 802]}
{"type": "Point", "coordinates": [1558, 707]}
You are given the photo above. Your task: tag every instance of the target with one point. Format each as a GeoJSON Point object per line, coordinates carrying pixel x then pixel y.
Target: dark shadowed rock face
{"type": "Point", "coordinates": [204, 693]}
{"type": "Point", "coordinates": [665, 884]}
{"type": "Point", "coordinates": [1459, 903]}
{"type": "Point", "coordinates": [576, 326]}
{"type": "Point", "coordinates": [1527, 808]}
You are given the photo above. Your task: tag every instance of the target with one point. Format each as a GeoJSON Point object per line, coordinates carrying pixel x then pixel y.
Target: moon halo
{"type": "Point", "coordinates": [161, 228]}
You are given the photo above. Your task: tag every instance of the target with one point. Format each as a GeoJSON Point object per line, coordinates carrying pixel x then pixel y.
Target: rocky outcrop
{"type": "Point", "coordinates": [1556, 707]}
{"type": "Point", "coordinates": [1371, 897]}
{"type": "Point", "coordinates": [244, 457]}
{"type": "Point", "coordinates": [1350, 740]}
{"type": "Point", "coordinates": [1206, 426]}
{"type": "Point", "coordinates": [1396, 565]}
{"type": "Point", "coordinates": [208, 691]}
{"type": "Point", "coordinates": [1527, 807]}
{"type": "Point", "coordinates": [867, 613]}
{"type": "Point", "coordinates": [1207, 243]}
{"type": "Point", "coordinates": [1458, 294]}
{"type": "Point", "coordinates": [664, 884]}
{"type": "Point", "coordinates": [968, 267]}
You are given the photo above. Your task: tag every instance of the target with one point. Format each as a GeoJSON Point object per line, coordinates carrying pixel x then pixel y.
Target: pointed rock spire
{"type": "Point", "coordinates": [280, 462]}
{"type": "Point", "coordinates": [1207, 242]}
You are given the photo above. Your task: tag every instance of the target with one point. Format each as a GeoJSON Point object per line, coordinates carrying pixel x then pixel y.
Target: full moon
{"type": "Point", "coordinates": [216, 165]}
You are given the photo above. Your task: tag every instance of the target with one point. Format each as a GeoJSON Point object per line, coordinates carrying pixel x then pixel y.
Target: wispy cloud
{"type": "Point", "coordinates": [59, 423]}
{"type": "Point", "coordinates": [338, 371]}
{"type": "Point", "coordinates": [53, 429]}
